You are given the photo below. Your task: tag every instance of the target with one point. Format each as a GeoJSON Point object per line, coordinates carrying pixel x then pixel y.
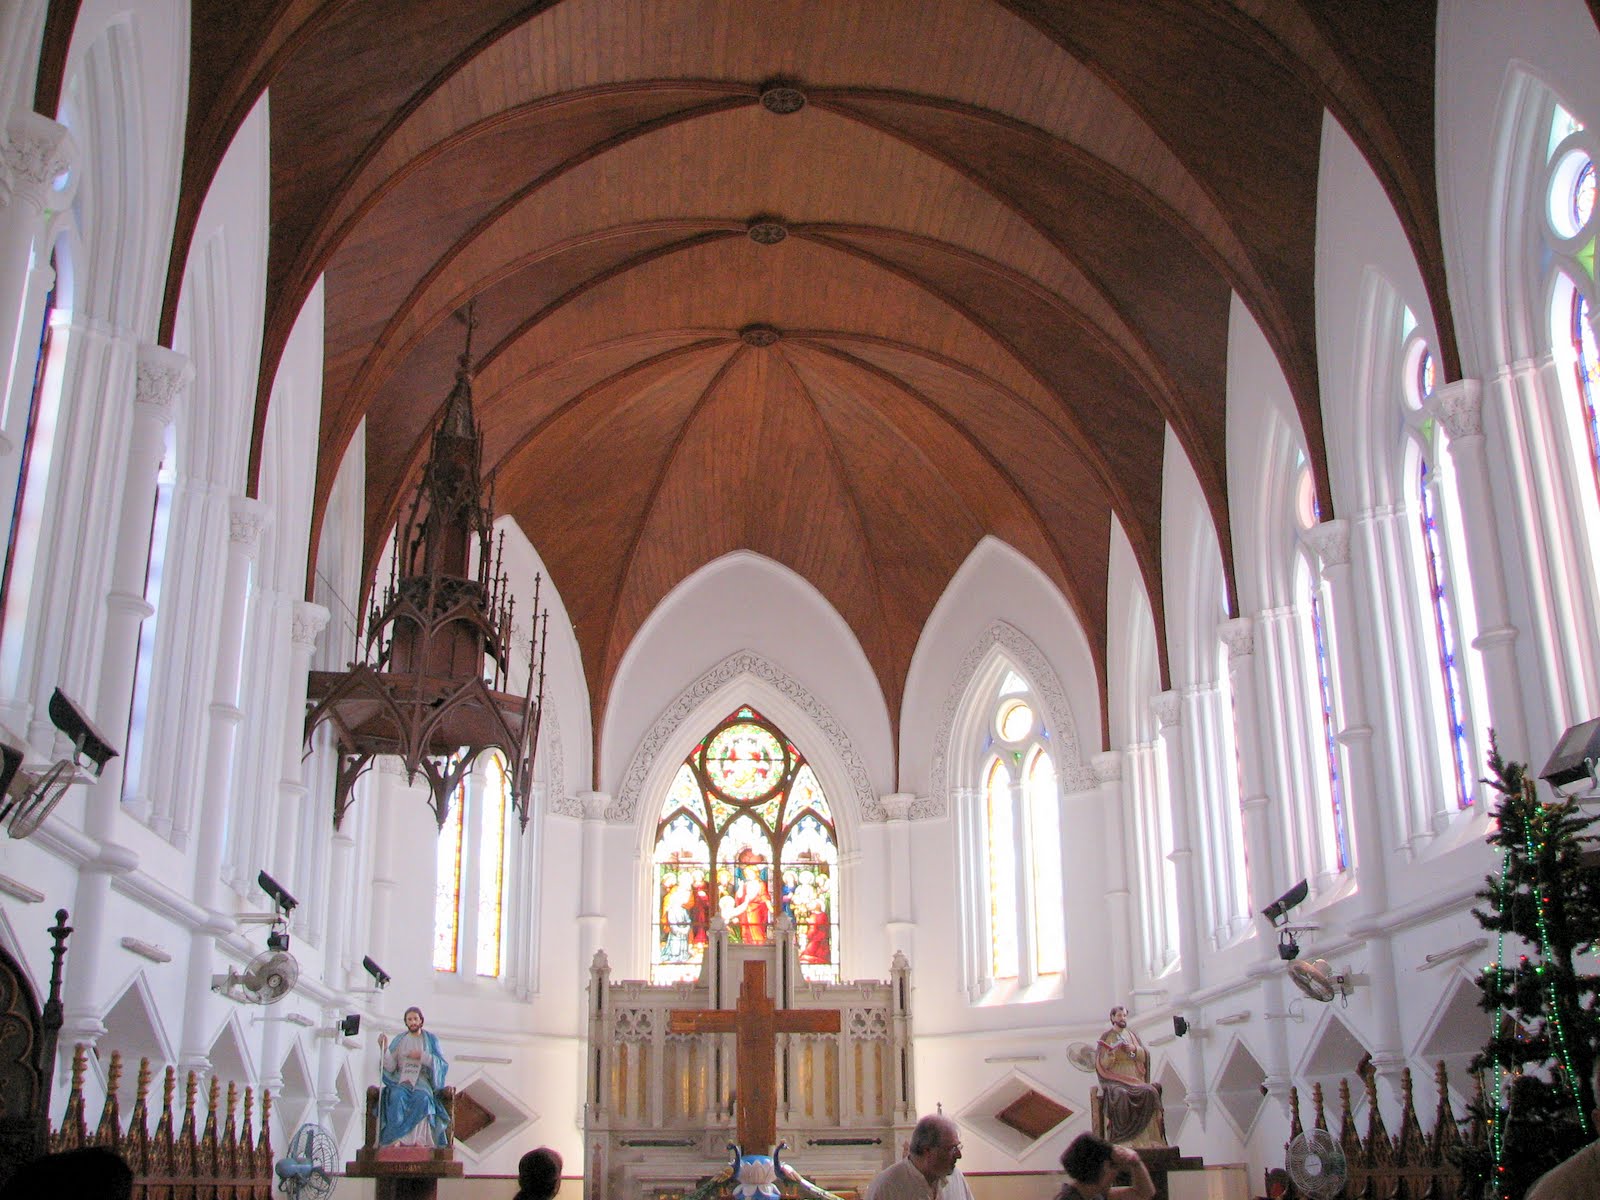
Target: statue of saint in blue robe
{"type": "Point", "coordinates": [413, 1068]}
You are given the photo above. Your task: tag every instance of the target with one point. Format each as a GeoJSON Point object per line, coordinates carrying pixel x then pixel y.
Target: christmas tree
{"type": "Point", "coordinates": [1538, 1062]}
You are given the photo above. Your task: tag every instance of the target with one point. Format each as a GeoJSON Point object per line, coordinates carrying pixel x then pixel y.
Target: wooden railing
{"type": "Point", "coordinates": [1409, 1165]}
{"type": "Point", "coordinates": [225, 1160]}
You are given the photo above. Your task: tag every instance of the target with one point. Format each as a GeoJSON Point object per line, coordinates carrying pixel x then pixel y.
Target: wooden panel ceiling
{"type": "Point", "coordinates": [1014, 228]}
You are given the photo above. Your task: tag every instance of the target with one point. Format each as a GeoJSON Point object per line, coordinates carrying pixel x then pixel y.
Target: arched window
{"type": "Point", "coordinates": [1570, 230]}
{"type": "Point", "coordinates": [1325, 837]}
{"type": "Point", "coordinates": [30, 430]}
{"type": "Point", "coordinates": [1324, 671]}
{"type": "Point", "coordinates": [470, 881]}
{"type": "Point", "coordinates": [1022, 831]}
{"type": "Point", "coordinates": [745, 833]}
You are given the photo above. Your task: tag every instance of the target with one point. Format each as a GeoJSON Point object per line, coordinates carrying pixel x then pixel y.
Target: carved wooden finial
{"type": "Point", "coordinates": [233, 1098]}
{"type": "Point", "coordinates": [109, 1131]}
{"type": "Point", "coordinates": [1319, 1117]}
{"type": "Point", "coordinates": [1295, 1128]}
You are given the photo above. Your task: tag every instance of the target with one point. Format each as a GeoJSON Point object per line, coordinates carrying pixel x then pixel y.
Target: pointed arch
{"type": "Point", "coordinates": [746, 677]}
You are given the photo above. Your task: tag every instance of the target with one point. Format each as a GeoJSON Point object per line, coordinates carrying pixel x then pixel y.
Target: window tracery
{"type": "Point", "coordinates": [745, 833]}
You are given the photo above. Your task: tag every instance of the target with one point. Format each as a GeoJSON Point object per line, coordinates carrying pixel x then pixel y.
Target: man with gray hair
{"type": "Point", "coordinates": [1579, 1177]}
{"type": "Point", "coordinates": [925, 1172]}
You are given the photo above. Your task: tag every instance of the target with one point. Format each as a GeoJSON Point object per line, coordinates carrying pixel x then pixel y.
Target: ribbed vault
{"type": "Point", "coordinates": [962, 289]}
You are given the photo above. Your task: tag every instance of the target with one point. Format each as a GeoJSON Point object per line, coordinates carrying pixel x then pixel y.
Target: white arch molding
{"type": "Point", "coordinates": [1073, 773]}
{"type": "Point", "coordinates": [739, 675]}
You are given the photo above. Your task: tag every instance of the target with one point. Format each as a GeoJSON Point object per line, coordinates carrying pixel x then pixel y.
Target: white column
{"type": "Point", "coordinates": [34, 153]}
{"type": "Point", "coordinates": [1370, 865]}
{"type": "Point", "coordinates": [162, 375]}
{"type": "Point", "coordinates": [592, 882]}
{"type": "Point", "coordinates": [1107, 767]}
{"type": "Point", "coordinates": [1239, 634]}
{"type": "Point", "coordinates": [1168, 708]}
{"type": "Point", "coordinates": [248, 519]}
{"type": "Point", "coordinates": [1459, 407]}
{"type": "Point", "coordinates": [307, 622]}
{"type": "Point", "coordinates": [900, 929]}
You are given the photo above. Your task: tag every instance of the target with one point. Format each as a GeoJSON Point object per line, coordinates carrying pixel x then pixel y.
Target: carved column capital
{"type": "Point", "coordinates": [1107, 766]}
{"type": "Point", "coordinates": [34, 153]}
{"type": "Point", "coordinates": [162, 374]}
{"type": "Point", "coordinates": [897, 805]}
{"type": "Point", "coordinates": [1330, 542]}
{"type": "Point", "coordinates": [1239, 635]}
{"type": "Point", "coordinates": [246, 519]}
{"type": "Point", "coordinates": [594, 804]}
{"type": "Point", "coordinates": [306, 623]}
{"type": "Point", "coordinates": [1459, 407]}
{"type": "Point", "coordinates": [1167, 706]}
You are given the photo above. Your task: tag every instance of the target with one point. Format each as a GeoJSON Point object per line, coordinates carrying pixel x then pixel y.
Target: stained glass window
{"type": "Point", "coordinates": [745, 834]}
{"type": "Point", "coordinates": [447, 885]}
{"type": "Point", "coordinates": [470, 873]}
{"type": "Point", "coordinates": [1586, 362]}
{"type": "Point", "coordinates": [41, 355]}
{"type": "Point", "coordinates": [1319, 637]}
{"type": "Point", "coordinates": [1444, 631]}
{"type": "Point", "coordinates": [1044, 821]}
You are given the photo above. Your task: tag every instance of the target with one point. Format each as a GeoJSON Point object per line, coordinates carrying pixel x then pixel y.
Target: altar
{"type": "Point", "coordinates": [829, 1071]}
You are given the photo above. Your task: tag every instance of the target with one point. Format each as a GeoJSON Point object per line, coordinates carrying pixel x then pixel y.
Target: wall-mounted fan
{"type": "Point", "coordinates": [269, 978]}
{"type": "Point", "coordinates": [305, 1172]}
{"type": "Point", "coordinates": [1316, 1164]}
{"type": "Point", "coordinates": [1318, 980]}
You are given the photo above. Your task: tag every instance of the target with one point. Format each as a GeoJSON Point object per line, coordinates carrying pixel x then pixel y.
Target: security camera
{"type": "Point", "coordinates": [280, 894]}
{"type": "Point", "coordinates": [1278, 911]}
{"type": "Point", "coordinates": [1571, 769]}
{"type": "Point", "coordinates": [350, 1026]}
{"type": "Point", "coordinates": [380, 977]}
{"type": "Point", "coordinates": [1180, 1026]}
{"type": "Point", "coordinates": [1288, 947]}
{"type": "Point", "coordinates": [278, 941]}
{"type": "Point", "coordinates": [87, 741]}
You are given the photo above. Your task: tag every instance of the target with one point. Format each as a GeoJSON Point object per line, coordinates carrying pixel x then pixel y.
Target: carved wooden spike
{"type": "Point", "coordinates": [184, 1150]}
{"type": "Point", "coordinates": [264, 1146]}
{"type": "Point", "coordinates": [161, 1144]}
{"type": "Point", "coordinates": [74, 1131]}
{"type": "Point", "coordinates": [109, 1132]}
{"type": "Point", "coordinates": [1410, 1145]}
{"type": "Point", "coordinates": [1295, 1128]}
{"type": "Point", "coordinates": [1318, 1114]}
{"type": "Point", "coordinates": [136, 1145]}
{"type": "Point", "coordinates": [1380, 1150]}
{"type": "Point", "coordinates": [247, 1137]}
{"type": "Point", "coordinates": [205, 1163]}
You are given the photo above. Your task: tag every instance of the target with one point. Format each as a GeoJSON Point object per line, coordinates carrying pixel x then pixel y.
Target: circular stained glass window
{"type": "Point", "coordinates": [1015, 721]}
{"type": "Point", "coordinates": [744, 762]}
{"type": "Point", "coordinates": [1571, 196]}
{"type": "Point", "coordinates": [1425, 375]}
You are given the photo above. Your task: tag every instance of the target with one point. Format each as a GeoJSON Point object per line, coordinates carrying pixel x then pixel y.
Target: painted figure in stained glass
{"type": "Point", "coordinates": [745, 833]}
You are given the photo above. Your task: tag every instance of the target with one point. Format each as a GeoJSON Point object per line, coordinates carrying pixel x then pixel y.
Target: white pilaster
{"type": "Point", "coordinates": [1107, 767]}
{"type": "Point", "coordinates": [900, 930]}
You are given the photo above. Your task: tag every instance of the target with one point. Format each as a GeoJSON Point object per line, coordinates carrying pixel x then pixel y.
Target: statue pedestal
{"type": "Point", "coordinates": [404, 1172]}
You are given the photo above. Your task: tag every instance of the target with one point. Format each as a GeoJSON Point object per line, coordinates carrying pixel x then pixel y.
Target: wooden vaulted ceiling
{"type": "Point", "coordinates": [1010, 231]}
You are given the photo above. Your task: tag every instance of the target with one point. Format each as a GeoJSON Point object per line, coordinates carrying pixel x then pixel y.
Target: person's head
{"type": "Point", "coordinates": [414, 1019]}
{"type": "Point", "coordinates": [1119, 1017]}
{"type": "Point", "coordinates": [935, 1146]}
{"type": "Point", "coordinates": [538, 1174]}
{"type": "Point", "coordinates": [1088, 1160]}
{"type": "Point", "coordinates": [91, 1173]}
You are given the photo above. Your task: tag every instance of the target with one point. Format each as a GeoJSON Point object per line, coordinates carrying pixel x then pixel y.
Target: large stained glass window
{"type": "Point", "coordinates": [745, 834]}
{"type": "Point", "coordinates": [1319, 639]}
{"type": "Point", "coordinates": [470, 873]}
{"type": "Point", "coordinates": [1444, 635]}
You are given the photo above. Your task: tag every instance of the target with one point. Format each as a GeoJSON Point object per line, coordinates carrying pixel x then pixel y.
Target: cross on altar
{"type": "Point", "coordinates": [757, 1022]}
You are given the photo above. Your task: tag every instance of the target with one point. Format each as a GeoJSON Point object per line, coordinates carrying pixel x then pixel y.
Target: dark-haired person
{"type": "Point", "coordinates": [538, 1174]}
{"type": "Point", "coordinates": [89, 1173]}
{"type": "Point", "coordinates": [924, 1173]}
{"type": "Point", "coordinates": [1092, 1165]}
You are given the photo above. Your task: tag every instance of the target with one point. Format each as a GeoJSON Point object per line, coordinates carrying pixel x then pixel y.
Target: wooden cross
{"type": "Point", "coordinates": [757, 1022]}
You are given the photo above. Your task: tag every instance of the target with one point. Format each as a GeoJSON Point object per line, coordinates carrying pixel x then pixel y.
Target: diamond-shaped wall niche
{"type": "Point", "coordinates": [1017, 1114]}
{"type": "Point", "coordinates": [1455, 1034]}
{"type": "Point", "coordinates": [1336, 1053]}
{"type": "Point", "coordinates": [1174, 1100]}
{"type": "Point", "coordinates": [344, 1108]}
{"type": "Point", "coordinates": [1238, 1089]}
{"type": "Point", "coordinates": [133, 1026]}
{"type": "Point", "coordinates": [495, 1113]}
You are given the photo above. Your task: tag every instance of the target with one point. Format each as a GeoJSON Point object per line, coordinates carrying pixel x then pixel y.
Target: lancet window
{"type": "Point", "coordinates": [745, 834]}
{"type": "Point", "coordinates": [470, 879]}
{"type": "Point", "coordinates": [1571, 230]}
{"type": "Point", "coordinates": [1022, 828]}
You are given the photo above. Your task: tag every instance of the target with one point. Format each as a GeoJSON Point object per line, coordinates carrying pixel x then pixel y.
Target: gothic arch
{"type": "Point", "coordinates": [958, 719]}
{"type": "Point", "coordinates": [745, 677]}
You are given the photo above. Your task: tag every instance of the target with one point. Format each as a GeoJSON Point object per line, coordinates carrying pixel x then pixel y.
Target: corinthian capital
{"type": "Point", "coordinates": [1330, 542]}
{"type": "Point", "coordinates": [1167, 706]}
{"type": "Point", "coordinates": [36, 152]}
{"type": "Point", "coordinates": [246, 519]}
{"type": "Point", "coordinates": [308, 621]}
{"type": "Point", "coordinates": [162, 374]}
{"type": "Point", "coordinates": [1239, 635]}
{"type": "Point", "coordinates": [1459, 407]}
